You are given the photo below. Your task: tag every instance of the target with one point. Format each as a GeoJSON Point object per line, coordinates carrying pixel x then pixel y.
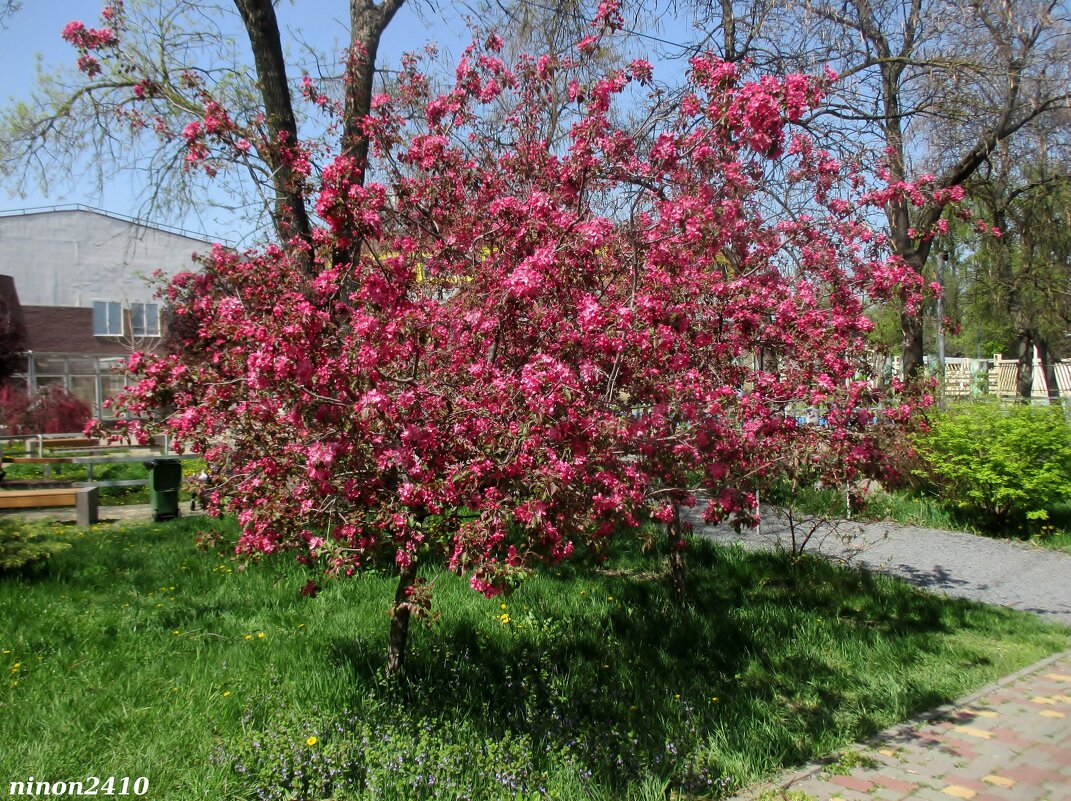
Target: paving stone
{"type": "Point", "coordinates": [959, 791]}
{"type": "Point", "coordinates": [977, 785]}
{"type": "Point", "coordinates": [995, 746]}
{"type": "Point", "coordinates": [998, 781]}
{"type": "Point", "coordinates": [887, 794]}
{"type": "Point", "coordinates": [892, 783]}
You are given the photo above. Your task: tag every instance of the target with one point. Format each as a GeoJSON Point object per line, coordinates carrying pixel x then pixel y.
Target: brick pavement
{"type": "Point", "coordinates": [1009, 742]}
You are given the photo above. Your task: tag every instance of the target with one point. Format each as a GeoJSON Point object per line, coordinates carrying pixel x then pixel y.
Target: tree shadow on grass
{"type": "Point", "coordinates": [772, 663]}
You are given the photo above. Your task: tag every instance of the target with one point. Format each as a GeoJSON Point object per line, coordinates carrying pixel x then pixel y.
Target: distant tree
{"type": "Point", "coordinates": [1022, 279]}
{"type": "Point", "coordinates": [51, 410]}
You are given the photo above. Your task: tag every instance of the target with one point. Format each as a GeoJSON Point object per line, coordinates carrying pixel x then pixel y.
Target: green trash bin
{"type": "Point", "coordinates": [165, 479]}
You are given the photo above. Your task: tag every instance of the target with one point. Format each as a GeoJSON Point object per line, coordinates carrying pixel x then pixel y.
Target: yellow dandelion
{"type": "Point", "coordinates": [714, 699]}
{"type": "Point", "coordinates": [261, 635]}
{"type": "Point", "coordinates": [609, 597]}
{"type": "Point", "coordinates": [311, 741]}
{"type": "Point", "coordinates": [249, 636]}
{"type": "Point", "coordinates": [226, 693]}
{"type": "Point", "coordinates": [501, 606]}
{"type": "Point", "coordinates": [677, 696]}
{"type": "Point", "coordinates": [176, 632]}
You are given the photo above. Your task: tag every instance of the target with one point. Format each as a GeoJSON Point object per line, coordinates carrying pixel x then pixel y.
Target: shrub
{"type": "Point", "coordinates": [23, 544]}
{"type": "Point", "coordinates": [50, 411]}
{"type": "Point", "coordinates": [1004, 465]}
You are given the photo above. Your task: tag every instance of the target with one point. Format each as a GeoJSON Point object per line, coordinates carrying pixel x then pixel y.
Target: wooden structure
{"type": "Point", "coordinates": [83, 499]}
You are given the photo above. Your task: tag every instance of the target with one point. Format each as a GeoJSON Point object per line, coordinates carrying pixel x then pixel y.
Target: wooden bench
{"type": "Point", "coordinates": [83, 499]}
{"type": "Point", "coordinates": [38, 460]}
{"type": "Point", "coordinates": [38, 445]}
{"type": "Point", "coordinates": [70, 442]}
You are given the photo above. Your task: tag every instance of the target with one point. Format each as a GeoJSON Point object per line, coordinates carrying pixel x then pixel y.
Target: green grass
{"type": "Point", "coordinates": [138, 654]}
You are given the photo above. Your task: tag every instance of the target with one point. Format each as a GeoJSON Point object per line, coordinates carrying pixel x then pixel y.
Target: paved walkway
{"type": "Point", "coordinates": [1010, 742]}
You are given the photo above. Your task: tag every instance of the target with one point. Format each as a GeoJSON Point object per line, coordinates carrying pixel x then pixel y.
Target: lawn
{"type": "Point", "coordinates": [134, 653]}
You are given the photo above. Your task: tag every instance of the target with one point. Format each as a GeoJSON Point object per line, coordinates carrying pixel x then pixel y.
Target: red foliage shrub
{"type": "Point", "coordinates": [50, 411]}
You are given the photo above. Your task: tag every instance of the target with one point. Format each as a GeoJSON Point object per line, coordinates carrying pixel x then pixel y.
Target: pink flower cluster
{"type": "Point", "coordinates": [509, 368]}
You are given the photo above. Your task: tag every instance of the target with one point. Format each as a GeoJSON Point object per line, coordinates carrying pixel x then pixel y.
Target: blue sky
{"type": "Point", "coordinates": [31, 38]}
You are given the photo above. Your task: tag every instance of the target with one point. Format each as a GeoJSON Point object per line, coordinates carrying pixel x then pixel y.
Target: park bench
{"type": "Point", "coordinates": [83, 499]}
{"type": "Point", "coordinates": [37, 446]}
{"type": "Point", "coordinates": [70, 442]}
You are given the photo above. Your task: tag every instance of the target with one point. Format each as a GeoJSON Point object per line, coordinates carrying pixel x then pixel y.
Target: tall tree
{"type": "Point", "coordinates": [941, 87]}
{"type": "Point", "coordinates": [1023, 277]}
{"type": "Point", "coordinates": [163, 87]}
{"type": "Point", "coordinates": [930, 87]}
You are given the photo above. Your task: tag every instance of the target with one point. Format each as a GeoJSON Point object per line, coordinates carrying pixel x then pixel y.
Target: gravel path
{"type": "Point", "coordinates": [997, 572]}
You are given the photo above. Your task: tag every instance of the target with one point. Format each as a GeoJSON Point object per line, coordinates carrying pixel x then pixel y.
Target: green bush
{"type": "Point", "coordinates": [23, 544]}
{"type": "Point", "coordinates": [1004, 465]}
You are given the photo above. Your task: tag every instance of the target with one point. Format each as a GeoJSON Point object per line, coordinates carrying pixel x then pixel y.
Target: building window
{"type": "Point", "coordinates": [107, 318]}
{"type": "Point", "coordinates": [145, 319]}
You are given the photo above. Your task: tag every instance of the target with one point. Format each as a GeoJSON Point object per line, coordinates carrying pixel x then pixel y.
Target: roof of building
{"type": "Point", "coordinates": [79, 207]}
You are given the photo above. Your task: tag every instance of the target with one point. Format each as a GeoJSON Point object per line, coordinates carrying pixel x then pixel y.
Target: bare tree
{"type": "Point", "coordinates": [7, 8]}
{"type": "Point", "coordinates": [926, 86]}
{"type": "Point", "coordinates": [173, 59]}
{"type": "Point", "coordinates": [938, 87]}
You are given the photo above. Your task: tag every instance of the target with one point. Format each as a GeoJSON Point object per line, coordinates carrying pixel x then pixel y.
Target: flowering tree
{"type": "Point", "coordinates": [497, 351]}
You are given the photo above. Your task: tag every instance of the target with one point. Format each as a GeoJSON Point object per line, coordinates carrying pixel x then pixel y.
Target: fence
{"type": "Point", "coordinates": [998, 376]}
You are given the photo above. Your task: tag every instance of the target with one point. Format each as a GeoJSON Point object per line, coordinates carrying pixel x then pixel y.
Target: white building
{"type": "Point", "coordinates": [80, 281]}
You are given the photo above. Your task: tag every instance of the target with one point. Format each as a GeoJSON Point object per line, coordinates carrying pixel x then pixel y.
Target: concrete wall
{"type": "Point", "coordinates": [72, 258]}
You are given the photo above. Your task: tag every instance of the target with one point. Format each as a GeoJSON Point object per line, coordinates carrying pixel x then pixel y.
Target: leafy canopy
{"type": "Point", "coordinates": [500, 350]}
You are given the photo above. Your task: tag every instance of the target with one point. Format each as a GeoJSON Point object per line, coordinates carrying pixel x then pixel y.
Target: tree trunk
{"type": "Point", "coordinates": [913, 362]}
{"type": "Point", "coordinates": [1048, 367]}
{"type": "Point", "coordinates": [677, 564]}
{"type": "Point", "coordinates": [367, 23]}
{"type": "Point", "coordinates": [399, 621]}
{"type": "Point", "coordinates": [1024, 371]}
{"type": "Point", "coordinates": [291, 217]}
